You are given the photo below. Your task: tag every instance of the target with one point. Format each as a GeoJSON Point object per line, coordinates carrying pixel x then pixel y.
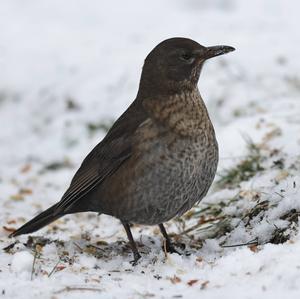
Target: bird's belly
{"type": "Point", "coordinates": [169, 180]}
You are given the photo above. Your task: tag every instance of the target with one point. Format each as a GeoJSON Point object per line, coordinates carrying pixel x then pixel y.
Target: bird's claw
{"type": "Point", "coordinates": [170, 248]}
{"type": "Point", "coordinates": [137, 257]}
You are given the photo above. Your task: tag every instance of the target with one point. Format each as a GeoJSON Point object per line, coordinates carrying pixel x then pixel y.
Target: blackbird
{"type": "Point", "coordinates": [159, 158]}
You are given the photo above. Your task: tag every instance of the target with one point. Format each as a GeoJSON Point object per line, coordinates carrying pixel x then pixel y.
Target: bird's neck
{"type": "Point", "coordinates": [184, 113]}
{"type": "Point", "coordinates": [154, 82]}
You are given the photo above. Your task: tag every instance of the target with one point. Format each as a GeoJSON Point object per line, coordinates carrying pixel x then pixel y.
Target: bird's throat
{"type": "Point", "coordinates": [183, 113]}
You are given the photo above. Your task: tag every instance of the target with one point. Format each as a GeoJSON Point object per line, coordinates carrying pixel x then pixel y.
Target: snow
{"type": "Point", "coordinates": [22, 261]}
{"type": "Point", "coordinates": [66, 65]}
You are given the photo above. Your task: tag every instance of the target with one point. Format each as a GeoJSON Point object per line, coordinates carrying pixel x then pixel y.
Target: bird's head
{"type": "Point", "coordinates": [175, 64]}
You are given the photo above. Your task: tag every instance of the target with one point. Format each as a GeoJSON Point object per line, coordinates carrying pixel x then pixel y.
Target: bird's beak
{"type": "Point", "coordinates": [217, 50]}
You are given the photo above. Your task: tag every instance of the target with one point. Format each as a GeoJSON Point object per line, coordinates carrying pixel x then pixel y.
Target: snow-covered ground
{"type": "Point", "coordinates": [69, 68]}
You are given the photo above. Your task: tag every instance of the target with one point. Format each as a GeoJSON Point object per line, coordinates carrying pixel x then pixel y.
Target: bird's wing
{"type": "Point", "coordinates": [105, 158]}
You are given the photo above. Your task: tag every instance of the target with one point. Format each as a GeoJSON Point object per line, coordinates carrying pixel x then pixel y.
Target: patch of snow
{"type": "Point", "coordinates": [22, 262]}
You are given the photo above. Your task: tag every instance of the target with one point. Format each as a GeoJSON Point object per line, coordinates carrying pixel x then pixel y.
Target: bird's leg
{"type": "Point", "coordinates": [169, 247]}
{"type": "Point", "coordinates": [134, 249]}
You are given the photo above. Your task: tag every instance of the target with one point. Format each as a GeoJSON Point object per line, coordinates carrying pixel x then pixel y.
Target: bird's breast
{"type": "Point", "coordinates": [170, 173]}
{"type": "Point", "coordinates": [173, 163]}
{"type": "Point", "coordinates": [184, 114]}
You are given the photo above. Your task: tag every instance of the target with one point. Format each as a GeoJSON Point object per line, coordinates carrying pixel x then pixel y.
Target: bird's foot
{"type": "Point", "coordinates": [137, 257]}
{"type": "Point", "coordinates": [170, 248]}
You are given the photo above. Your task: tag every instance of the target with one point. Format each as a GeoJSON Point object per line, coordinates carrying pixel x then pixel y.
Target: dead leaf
{"type": "Point", "coordinates": [90, 249]}
{"type": "Point", "coordinates": [281, 175]}
{"type": "Point", "coordinates": [60, 267]}
{"type": "Point", "coordinates": [274, 132]}
{"type": "Point", "coordinates": [204, 284]}
{"type": "Point", "coordinates": [44, 272]}
{"type": "Point", "coordinates": [25, 191]}
{"type": "Point", "coordinates": [199, 259]}
{"type": "Point", "coordinates": [156, 231]}
{"type": "Point", "coordinates": [192, 282]}
{"type": "Point", "coordinates": [95, 280]}
{"type": "Point", "coordinates": [26, 168]}
{"type": "Point", "coordinates": [253, 248]}
{"type": "Point", "coordinates": [101, 242]}
{"type": "Point", "coordinates": [38, 248]}
{"type": "Point", "coordinates": [250, 194]}
{"type": "Point", "coordinates": [9, 229]}
{"type": "Point", "coordinates": [11, 221]}
{"type": "Point", "coordinates": [175, 279]}
{"type": "Point", "coordinates": [17, 197]}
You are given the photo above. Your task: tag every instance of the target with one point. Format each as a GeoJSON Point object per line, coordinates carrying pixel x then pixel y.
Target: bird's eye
{"type": "Point", "coordinates": [187, 58]}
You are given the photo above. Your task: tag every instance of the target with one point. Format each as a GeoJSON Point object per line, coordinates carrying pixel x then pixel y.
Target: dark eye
{"type": "Point", "coordinates": [187, 57]}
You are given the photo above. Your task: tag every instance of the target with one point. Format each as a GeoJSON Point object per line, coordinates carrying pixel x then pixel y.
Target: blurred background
{"type": "Point", "coordinates": [68, 69]}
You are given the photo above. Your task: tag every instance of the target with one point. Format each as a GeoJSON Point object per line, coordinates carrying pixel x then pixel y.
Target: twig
{"type": "Point", "coordinates": [54, 268]}
{"type": "Point", "coordinates": [33, 264]}
{"type": "Point", "coordinates": [252, 242]}
{"type": "Point", "coordinates": [96, 247]}
{"type": "Point", "coordinates": [68, 289]}
{"type": "Point", "coordinates": [279, 194]}
{"type": "Point", "coordinates": [78, 247]}
{"type": "Point", "coordinates": [98, 252]}
{"type": "Point", "coordinates": [190, 229]}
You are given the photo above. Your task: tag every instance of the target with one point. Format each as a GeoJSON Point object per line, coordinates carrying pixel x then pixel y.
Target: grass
{"type": "Point", "coordinates": [213, 222]}
{"type": "Point", "coordinates": [244, 170]}
{"type": "Point", "coordinates": [248, 208]}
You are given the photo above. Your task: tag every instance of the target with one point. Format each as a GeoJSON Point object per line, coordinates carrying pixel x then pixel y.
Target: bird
{"type": "Point", "coordinates": [160, 156]}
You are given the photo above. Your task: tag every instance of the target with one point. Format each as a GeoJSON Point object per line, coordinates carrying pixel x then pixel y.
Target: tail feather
{"type": "Point", "coordinates": [37, 222]}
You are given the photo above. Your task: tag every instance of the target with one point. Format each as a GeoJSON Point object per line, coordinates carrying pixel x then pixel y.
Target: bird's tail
{"type": "Point", "coordinates": [37, 222]}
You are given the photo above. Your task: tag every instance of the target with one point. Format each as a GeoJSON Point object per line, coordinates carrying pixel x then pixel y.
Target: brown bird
{"type": "Point", "coordinates": [159, 158]}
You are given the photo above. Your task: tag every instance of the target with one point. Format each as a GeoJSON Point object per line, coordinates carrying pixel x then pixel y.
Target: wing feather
{"type": "Point", "coordinates": [105, 158]}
